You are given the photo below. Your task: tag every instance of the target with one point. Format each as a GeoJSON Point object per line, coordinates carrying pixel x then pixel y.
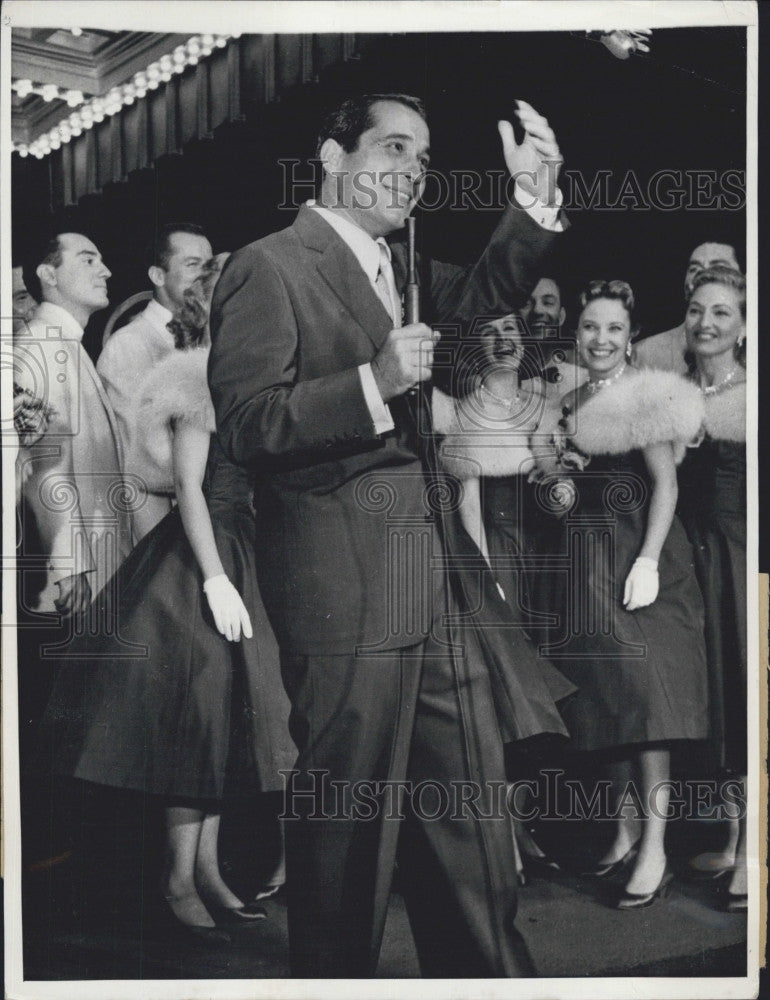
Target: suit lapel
{"type": "Point", "coordinates": [340, 270]}
{"type": "Point", "coordinates": [87, 366]}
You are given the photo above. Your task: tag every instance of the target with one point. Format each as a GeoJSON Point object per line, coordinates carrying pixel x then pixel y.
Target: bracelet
{"type": "Point", "coordinates": [213, 580]}
{"type": "Point", "coordinates": [647, 563]}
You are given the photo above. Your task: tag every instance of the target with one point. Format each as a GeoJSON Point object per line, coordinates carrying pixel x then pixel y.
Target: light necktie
{"type": "Point", "coordinates": [385, 285]}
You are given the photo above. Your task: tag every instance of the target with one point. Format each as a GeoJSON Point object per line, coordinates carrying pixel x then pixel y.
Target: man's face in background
{"type": "Point", "coordinates": [23, 303]}
{"type": "Point", "coordinates": [708, 255]}
{"type": "Point", "coordinates": [543, 310]}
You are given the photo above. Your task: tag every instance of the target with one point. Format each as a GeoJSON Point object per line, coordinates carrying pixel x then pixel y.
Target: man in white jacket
{"type": "Point", "coordinates": [179, 253]}
{"type": "Point", "coordinates": [70, 458]}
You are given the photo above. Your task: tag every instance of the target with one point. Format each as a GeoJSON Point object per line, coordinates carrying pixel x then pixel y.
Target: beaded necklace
{"type": "Point", "coordinates": [712, 390]}
{"type": "Point", "coordinates": [600, 383]}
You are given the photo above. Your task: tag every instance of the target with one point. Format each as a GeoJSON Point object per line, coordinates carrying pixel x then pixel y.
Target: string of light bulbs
{"type": "Point", "coordinates": [91, 111]}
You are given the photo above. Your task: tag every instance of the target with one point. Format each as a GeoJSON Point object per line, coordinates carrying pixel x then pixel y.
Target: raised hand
{"type": "Point", "coordinates": [404, 359]}
{"type": "Point", "coordinates": [536, 161]}
{"type": "Point", "coordinates": [623, 43]}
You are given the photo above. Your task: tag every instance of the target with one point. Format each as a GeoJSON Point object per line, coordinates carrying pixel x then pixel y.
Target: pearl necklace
{"type": "Point", "coordinates": [600, 383]}
{"type": "Point", "coordinates": [505, 400]}
{"type": "Point", "coordinates": [712, 390]}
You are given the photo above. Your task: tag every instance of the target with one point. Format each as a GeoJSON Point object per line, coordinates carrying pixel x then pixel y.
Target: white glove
{"type": "Point", "coordinates": [641, 584]}
{"type": "Point", "coordinates": [229, 611]}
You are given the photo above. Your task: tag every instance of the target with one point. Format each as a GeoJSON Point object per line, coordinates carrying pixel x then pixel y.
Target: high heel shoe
{"type": "Point", "coordinates": [614, 867]}
{"type": "Point", "coordinates": [736, 902]}
{"type": "Point", "coordinates": [533, 857]}
{"type": "Point", "coordinates": [198, 932]}
{"type": "Point", "coordinates": [268, 891]}
{"type": "Point", "coordinates": [703, 869]}
{"type": "Point", "coordinates": [229, 916]}
{"type": "Point", "coordinates": [637, 900]}
{"type": "Point", "coordinates": [541, 862]}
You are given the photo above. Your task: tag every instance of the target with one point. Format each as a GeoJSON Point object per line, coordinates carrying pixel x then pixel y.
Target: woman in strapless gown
{"type": "Point", "coordinates": [630, 633]}
{"type": "Point", "coordinates": [179, 694]}
{"type": "Point", "coordinates": [712, 505]}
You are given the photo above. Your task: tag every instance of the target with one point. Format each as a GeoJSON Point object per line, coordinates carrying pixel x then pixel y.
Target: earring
{"type": "Point", "coordinates": [629, 351]}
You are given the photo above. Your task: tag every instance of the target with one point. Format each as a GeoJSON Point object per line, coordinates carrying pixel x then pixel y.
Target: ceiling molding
{"type": "Point", "coordinates": [126, 53]}
{"type": "Point", "coordinates": [105, 60]}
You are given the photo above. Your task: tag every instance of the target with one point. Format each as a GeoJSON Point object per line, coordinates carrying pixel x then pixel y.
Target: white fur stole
{"type": "Point", "coordinates": [486, 433]}
{"type": "Point", "coordinates": [176, 389]}
{"type": "Point", "coordinates": [645, 407]}
{"type": "Point", "coordinates": [726, 415]}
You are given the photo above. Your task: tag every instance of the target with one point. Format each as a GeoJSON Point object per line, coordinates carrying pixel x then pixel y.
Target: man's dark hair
{"type": "Point", "coordinates": [160, 250]}
{"type": "Point", "coordinates": [347, 123]}
{"type": "Point", "coordinates": [726, 240]}
{"type": "Point", "coordinates": [48, 250]}
{"type": "Point", "coordinates": [51, 253]}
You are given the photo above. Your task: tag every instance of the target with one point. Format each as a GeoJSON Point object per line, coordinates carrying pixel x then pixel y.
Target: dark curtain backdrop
{"type": "Point", "coordinates": [681, 108]}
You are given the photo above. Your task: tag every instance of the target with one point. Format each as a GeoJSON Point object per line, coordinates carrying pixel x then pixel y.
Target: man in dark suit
{"type": "Point", "coordinates": [312, 377]}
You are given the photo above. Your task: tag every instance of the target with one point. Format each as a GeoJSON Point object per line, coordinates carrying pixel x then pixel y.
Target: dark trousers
{"type": "Point", "coordinates": [419, 715]}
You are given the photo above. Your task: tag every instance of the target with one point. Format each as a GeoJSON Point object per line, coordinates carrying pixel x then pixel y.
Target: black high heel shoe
{"type": "Point", "coordinates": [736, 902]}
{"type": "Point", "coordinates": [701, 870]}
{"type": "Point", "coordinates": [229, 916]}
{"type": "Point", "coordinates": [539, 862]}
{"type": "Point", "coordinates": [190, 932]}
{"type": "Point", "coordinates": [614, 867]}
{"type": "Point", "coordinates": [638, 900]}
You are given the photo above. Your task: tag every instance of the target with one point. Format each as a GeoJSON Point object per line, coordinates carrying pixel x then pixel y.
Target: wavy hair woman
{"type": "Point", "coordinates": [189, 698]}
{"type": "Point", "coordinates": [712, 505]}
{"type": "Point", "coordinates": [631, 624]}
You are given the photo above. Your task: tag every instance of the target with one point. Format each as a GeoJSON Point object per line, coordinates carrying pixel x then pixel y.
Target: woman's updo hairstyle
{"type": "Point", "coordinates": [721, 275]}
{"type": "Point", "coordinates": [190, 325]}
{"type": "Point", "coordinates": [620, 291]}
{"type": "Point", "coordinates": [728, 277]}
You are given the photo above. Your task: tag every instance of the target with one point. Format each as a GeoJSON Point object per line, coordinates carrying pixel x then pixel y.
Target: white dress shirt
{"type": "Point", "coordinates": [367, 253]}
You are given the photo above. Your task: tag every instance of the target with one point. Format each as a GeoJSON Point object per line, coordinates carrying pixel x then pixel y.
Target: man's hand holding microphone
{"type": "Point", "coordinates": [404, 360]}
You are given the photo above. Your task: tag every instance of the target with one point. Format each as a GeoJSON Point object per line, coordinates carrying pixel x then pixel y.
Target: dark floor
{"type": "Point", "coordinates": [569, 931]}
{"type": "Point", "coordinates": [94, 915]}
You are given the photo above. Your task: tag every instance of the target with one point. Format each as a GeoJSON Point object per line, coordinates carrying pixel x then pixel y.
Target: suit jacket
{"type": "Point", "coordinates": [75, 517]}
{"type": "Point", "coordinates": [126, 360]}
{"type": "Point", "coordinates": [664, 351]}
{"type": "Point", "coordinates": [342, 513]}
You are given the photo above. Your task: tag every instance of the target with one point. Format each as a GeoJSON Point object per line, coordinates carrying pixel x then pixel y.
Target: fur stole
{"type": "Point", "coordinates": [726, 415]}
{"type": "Point", "coordinates": [176, 389]}
{"type": "Point", "coordinates": [486, 433]}
{"type": "Point", "coordinates": [644, 408]}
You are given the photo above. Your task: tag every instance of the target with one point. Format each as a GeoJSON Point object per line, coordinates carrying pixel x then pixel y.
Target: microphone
{"type": "Point", "coordinates": [411, 288]}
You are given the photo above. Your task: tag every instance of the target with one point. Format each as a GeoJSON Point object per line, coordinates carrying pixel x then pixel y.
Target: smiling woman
{"type": "Point", "coordinates": [605, 329]}
{"type": "Point", "coordinates": [713, 507]}
{"type": "Point", "coordinates": [715, 326]}
{"type": "Point", "coordinates": [631, 634]}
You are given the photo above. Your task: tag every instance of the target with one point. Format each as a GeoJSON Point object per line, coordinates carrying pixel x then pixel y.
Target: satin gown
{"type": "Point", "coordinates": [712, 504]}
{"type": "Point", "coordinates": [163, 703]}
{"type": "Point", "coordinates": [641, 675]}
